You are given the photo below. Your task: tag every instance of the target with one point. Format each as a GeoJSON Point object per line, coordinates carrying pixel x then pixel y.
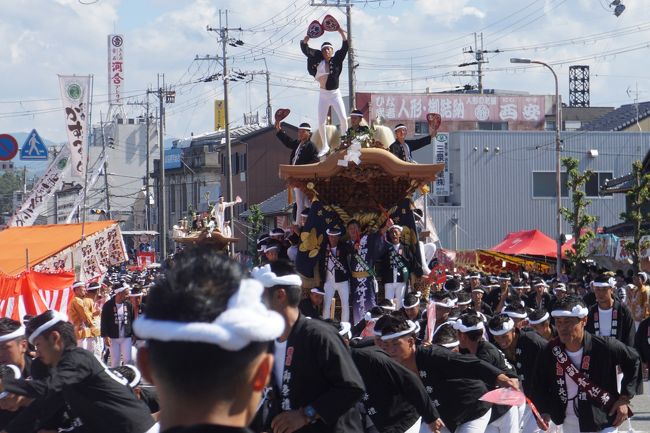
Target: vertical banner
{"type": "Point", "coordinates": [75, 93]}
{"type": "Point", "coordinates": [219, 114]}
{"type": "Point", "coordinates": [115, 69]}
{"type": "Point", "coordinates": [441, 156]}
{"type": "Point", "coordinates": [82, 193]}
{"type": "Point", "coordinates": [47, 185]}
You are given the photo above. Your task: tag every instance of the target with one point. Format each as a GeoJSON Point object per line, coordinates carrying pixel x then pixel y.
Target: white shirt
{"type": "Point", "coordinates": [395, 270]}
{"type": "Point", "coordinates": [330, 265]}
{"type": "Point", "coordinates": [321, 70]}
{"type": "Point", "coordinates": [605, 322]}
{"type": "Point", "coordinates": [278, 365]}
{"type": "Point", "coordinates": [571, 386]}
{"type": "Point", "coordinates": [121, 312]}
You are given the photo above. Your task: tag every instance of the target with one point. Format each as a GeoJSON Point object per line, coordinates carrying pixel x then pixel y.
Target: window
{"type": "Point", "coordinates": [493, 126]}
{"type": "Point", "coordinates": [595, 182]}
{"type": "Point", "coordinates": [235, 163]}
{"type": "Point", "coordinates": [243, 165]}
{"type": "Point", "coordinates": [572, 125]}
{"type": "Point", "coordinates": [422, 128]}
{"type": "Point", "coordinates": [544, 184]}
{"type": "Point", "coordinates": [549, 125]}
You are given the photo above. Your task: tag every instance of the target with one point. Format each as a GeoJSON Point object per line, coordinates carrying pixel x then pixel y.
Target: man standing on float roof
{"type": "Point", "coordinates": [326, 66]}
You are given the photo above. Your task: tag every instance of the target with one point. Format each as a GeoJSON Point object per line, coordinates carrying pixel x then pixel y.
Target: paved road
{"type": "Point", "coordinates": [641, 408]}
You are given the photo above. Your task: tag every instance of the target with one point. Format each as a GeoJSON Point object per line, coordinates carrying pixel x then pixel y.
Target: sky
{"type": "Point", "coordinates": [400, 46]}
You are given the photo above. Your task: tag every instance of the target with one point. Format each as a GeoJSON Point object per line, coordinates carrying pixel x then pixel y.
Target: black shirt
{"type": "Point", "coordinates": [314, 57]}
{"type": "Point", "coordinates": [208, 428]}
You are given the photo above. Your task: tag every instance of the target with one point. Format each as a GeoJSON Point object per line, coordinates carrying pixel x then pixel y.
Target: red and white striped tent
{"type": "Point", "coordinates": [37, 263]}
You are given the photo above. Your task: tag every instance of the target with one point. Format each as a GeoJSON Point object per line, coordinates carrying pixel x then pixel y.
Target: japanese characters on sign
{"type": "Point", "coordinates": [37, 200]}
{"type": "Point", "coordinates": [75, 93]}
{"type": "Point", "coordinates": [452, 107]}
{"type": "Point", "coordinates": [441, 156]}
{"type": "Point", "coordinates": [115, 69]}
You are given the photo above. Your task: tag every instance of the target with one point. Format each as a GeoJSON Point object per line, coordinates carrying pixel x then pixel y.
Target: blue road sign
{"type": "Point", "coordinates": [33, 149]}
{"type": "Point", "coordinates": [8, 147]}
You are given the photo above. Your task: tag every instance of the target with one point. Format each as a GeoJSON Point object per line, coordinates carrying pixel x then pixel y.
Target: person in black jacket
{"type": "Point", "coordinates": [312, 305]}
{"type": "Point", "coordinates": [303, 151]}
{"type": "Point", "coordinates": [402, 147]}
{"type": "Point", "coordinates": [100, 400]}
{"type": "Point", "coordinates": [208, 334]}
{"type": "Point", "coordinates": [315, 383]}
{"type": "Point", "coordinates": [397, 264]}
{"type": "Point", "coordinates": [609, 317]}
{"type": "Point", "coordinates": [575, 381]}
{"type": "Point", "coordinates": [326, 66]}
{"type": "Point", "coordinates": [116, 325]}
{"type": "Point", "coordinates": [334, 270]}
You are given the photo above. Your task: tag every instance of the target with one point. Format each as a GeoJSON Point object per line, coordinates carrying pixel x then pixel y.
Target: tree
{"type": "Point", "coordinates": [256, 221]}
{"type": "Point", "coordinates": [638, 198]}
{"type": "Point", "coordinates": [9, 183]}
{"type": "Point", "coordinates": [577, 216]}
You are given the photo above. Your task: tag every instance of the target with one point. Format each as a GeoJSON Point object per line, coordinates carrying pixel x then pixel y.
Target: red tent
{"type": "Point", "coordinates": [529, 243]}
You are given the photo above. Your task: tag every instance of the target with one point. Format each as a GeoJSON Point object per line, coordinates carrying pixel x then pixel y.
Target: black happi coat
{"type": "Point", "coordinates": [308, 152]}
{"type": "Point", "coordinates": [103, 404]}
{"type": "Point", "coordinates": [318, 371]}
{"type": "Point", "coordinates": [493, 298]}
{"type": "Point", "coordinates": [6, 416]}
{"type": "Point", "coordinates": [642, 340]}
{"type": "Point", "coordinates": [413, 145]}
{"type": "Point", "coordinates": [531, 301]}
{"type": "Point", "coordinates": [455, 382]}
{"type": "Point", "coordinates": [604, 355]}
{"type": "Point", "coordinates": [208, 428]}
{"type": "Point", "coordinates": [404, 260]}
{"type": "Point", "coordinates": [314, 57]}
{"type": "Point", "coordinates": [491, 354]}
{"type": "Point", "coordinates": [529, 346]}
{"type": "Point", "coordinates": [109, 324]}
{"type": "Point", "coordinates": [394, 398]}
{"type": "Point", "coordinates": [308, 309]}
{"type": "Point", "coordinates": [342, 269]}
{"type": "Point", "coordinates": [624, 325]}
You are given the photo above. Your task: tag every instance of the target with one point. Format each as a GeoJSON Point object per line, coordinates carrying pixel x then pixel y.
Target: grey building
{"type": "Point", "coordinates": [500, 182]}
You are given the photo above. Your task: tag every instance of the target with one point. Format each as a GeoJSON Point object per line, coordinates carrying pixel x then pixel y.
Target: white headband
{"type": "Point", "coordinates": [245, 320]}
{"type": "Point", "coordinates": [17, 375]}
{"type": "Point", "coordinates": [369, 317]}
{"type": "Point", "coordinates": [395, 226]}
{"type": "Point", "coordinates": [317, 291]}
{"type": "Point", "coordinates": [121, 289]}
{"type": "Point", "coordinates": [478, 289]}
{"type": "Point", "coordinates": [345, 329]}
{"type": "Point", "coordinates": [268, 278]}
{"type": "Point", "coordinates": [356, 114]}
{"type": "Point", "coordinates": [450, 345]}
{"type": "Point", "coordinates": [504, 278]}
{"type": "Point", "coordinates": [138, 376]}
{"type": "Point", "coordinates": [57, 317]}
{"type": "Point", "coordinates": [469, 301]}
{"type": "Point", "coordinates": [412, 327]}
{"type": "Point", "coordinates": [78, 284]}
{"type": "Point", "coordinates": [577, 311]}
{"type": "Point", "coordinates": [20, 332]}
{"type": "Point", "coordinates": [595, 284]}
{"type": "Point", "coordinates": [417, 302]}
{"type": "Point", "coordinates": [449, 303]}
{"type": "Point", "coordinates": [515, 315]}
{"type": "Point", "coordinates": [400, 127]}
{"type": "Point", "coordinates": [540, 320]}
{"type": "Point", "coordinates": [507, 327]}
{"type": "Point", "coordinates": [459, 326]}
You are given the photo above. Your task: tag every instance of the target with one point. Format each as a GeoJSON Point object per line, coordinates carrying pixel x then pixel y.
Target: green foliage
{"type": "Point", "coordinates": [638, 196]}
{"type": "Point", "coordinates": [577, 216]}
{"type": "Point", "coordinates": [9, 182]}
{"type": "Point", "coordinates": [256, 221]}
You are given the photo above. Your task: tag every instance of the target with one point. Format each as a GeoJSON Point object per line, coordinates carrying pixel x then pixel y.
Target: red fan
{"type": "Point", "coordinates": [434, 120]}
{"type": "Point", "coordinates": [330, 24]}
{"type": "Point", "coordinates": [281, 114]}
{"type": "Point", "coordinates": [504, 396]}
{"type": "Point", "coordinates": [315, 30]}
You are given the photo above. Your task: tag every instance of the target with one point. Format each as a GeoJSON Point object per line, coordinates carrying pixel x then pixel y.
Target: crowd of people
{"type": "Point", "coordinates": [219, 350]}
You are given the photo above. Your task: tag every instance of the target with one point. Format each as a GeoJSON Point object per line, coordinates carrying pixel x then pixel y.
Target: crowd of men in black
{"type": "Point", "coordinates": [228, 353]}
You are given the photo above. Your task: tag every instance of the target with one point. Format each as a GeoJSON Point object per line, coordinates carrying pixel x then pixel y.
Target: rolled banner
{"type": "Point", "coordinates": [315, 29]}
{"type": "Point", "coordinates": [504, 396]}
{"type": "Point", "coordinates": [434, 120]}
{"type": "Point", "coordinates": [281, 114]}
{"type": "Point", "coordinates": [330, 24]}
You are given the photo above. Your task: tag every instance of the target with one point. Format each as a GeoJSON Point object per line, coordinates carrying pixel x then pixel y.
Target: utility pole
{"type": "Point", "coordinates": [106, 190]}
{"type": "Point", "coordinates": [479, 59]}
{"type": "Point", "coordinates": [164, 96]}
{"type": "Point", "coordinates": [351, 65]}
{"type": "Point", "coordinates": [147, 205]}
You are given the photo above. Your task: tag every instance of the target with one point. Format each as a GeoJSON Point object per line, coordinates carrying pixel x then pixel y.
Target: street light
{"type": "Point", "coordinates": [558, 173]}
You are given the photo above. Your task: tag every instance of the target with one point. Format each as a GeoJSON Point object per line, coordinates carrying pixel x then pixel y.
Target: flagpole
{"type": "Point", "coordinates": [88, 122]}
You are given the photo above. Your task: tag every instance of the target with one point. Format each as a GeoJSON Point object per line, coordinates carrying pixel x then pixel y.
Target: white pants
{"type": "Point", "coordinates": [572, 425]}
{"type": "Point", "coordinates": [528, 422]}
{"type": "Point", "coordinates": [415, 428]}
{"type": "Point", "coordinates": [327, 99]}
{"type": "Point", "coordinates": [302, 202]}
{"type": "Point", "coordinates": [507, 423]}
{"type": "Point", "coordinates": [395, 291]}
{"type": "Point", "coordinates": [477, 425]}
{"type": "Point", "coordinates": [121, 347]}
{"type": "Point", "coordinates": [87, 343]}
{"type": "Point", "coordinates": [344, 293]}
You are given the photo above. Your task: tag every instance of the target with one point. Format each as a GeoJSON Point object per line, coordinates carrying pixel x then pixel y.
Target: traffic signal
{"type": "Point", "coordinates": [98, 211]}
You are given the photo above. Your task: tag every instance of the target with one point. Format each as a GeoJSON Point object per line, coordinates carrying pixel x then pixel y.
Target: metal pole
{"type": "Point", "coordinates": [147, 206]}
{"type": "Point", "coordinates": [163, 190]}
{"type": "Point", "coordinates": [269, 111]}
{"type": "Point", "coordinates": [348, 14]}
{"type": "Point", "coordinates": [108, 201]}
{"type": "Point", "coordinates": [224, 41]}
